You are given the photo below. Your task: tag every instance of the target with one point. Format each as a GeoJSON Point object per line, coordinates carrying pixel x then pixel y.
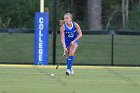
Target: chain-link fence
{"type": "Point", "coordinates": [95, 48]}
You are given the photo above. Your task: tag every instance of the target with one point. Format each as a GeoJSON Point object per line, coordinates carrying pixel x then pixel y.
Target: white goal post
{"type": "Point", "coordinates": [42, 6]}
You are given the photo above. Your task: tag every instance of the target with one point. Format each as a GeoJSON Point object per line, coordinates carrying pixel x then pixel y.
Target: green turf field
{"type": "Point", "coordinates": [34, 79]}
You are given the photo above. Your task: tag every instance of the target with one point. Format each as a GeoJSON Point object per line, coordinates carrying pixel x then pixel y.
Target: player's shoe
{"type": "Point", "coordinates": [71, 71]}
{"type": "Point", "coordinates": [68, 72]}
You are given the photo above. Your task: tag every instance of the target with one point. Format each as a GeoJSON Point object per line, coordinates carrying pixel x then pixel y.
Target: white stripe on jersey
{"type": "Point", "coordinates": [68, 26]}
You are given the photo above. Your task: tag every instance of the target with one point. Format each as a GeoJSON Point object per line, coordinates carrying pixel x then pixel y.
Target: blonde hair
{"type": "Point", "coordinates": [61, 22]}
{"type": "Point", "coordinates": [69, 14]}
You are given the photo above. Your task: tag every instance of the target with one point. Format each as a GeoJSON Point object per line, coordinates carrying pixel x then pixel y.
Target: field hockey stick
{"type": "Point", "coordinates": [64, 54]}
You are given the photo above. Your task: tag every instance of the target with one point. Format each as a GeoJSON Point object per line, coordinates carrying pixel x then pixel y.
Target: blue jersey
{"type": "Point", "coordinates": [70, 33]}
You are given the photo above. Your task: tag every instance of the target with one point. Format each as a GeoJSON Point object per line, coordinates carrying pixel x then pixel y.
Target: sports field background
{"type": "Point", "coordinates": [87, 79]}
{"type": "Point", "coordinates": [92, 50]}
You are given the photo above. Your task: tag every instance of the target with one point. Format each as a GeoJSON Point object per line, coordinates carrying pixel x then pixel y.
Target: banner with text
{"type": "Point", "coordinates": [41, 38]}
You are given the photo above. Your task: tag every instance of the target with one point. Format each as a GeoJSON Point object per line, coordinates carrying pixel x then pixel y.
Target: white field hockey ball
{"type": "Point", "coordinates": [52, 75]}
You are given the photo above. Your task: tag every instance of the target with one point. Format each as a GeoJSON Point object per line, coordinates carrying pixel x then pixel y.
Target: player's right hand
{"type": "Point", "coordinates": [65, 49]}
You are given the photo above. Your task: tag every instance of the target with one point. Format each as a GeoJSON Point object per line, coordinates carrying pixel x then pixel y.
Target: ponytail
{"type": "Point", "coordinates": [61, 22]}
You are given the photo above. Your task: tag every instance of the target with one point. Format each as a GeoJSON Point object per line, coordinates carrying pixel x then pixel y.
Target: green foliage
{"type": "Point", "coordinates": [21, 12]}
{"type": "Point", "coordinates": [77, 8]}
{"type": "Point", "coordinates": [108, 7]}
{"type": "Point", "coordinates": [134, 19]}
{"type": "Point", "coordinates": [80, 12]}
{"type": "Point", "coordinates": [4, 24]}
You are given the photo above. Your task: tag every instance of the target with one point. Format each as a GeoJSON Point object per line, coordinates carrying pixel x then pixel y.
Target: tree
{"type": "Point", "coordinates": [111, 14]}
{"type": "Point", "coordinates": [125, 9]}
{"type": "Point", "coordinates": [94, 14]}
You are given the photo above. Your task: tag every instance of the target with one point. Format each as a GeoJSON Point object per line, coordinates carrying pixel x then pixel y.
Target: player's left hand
{"type": "Point", "coordinates": [73, 42]}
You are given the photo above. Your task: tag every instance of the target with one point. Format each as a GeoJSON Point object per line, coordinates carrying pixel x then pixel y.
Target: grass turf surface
{"type": "Point", "coordinates": [87, 79]}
